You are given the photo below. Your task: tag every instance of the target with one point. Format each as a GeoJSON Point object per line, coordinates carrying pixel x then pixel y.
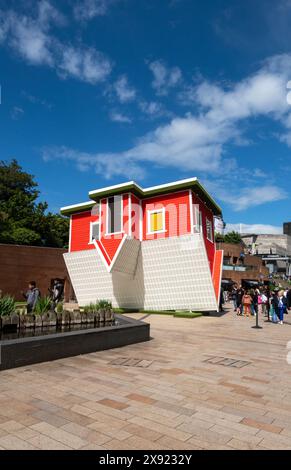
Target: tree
{"type": "Point", "coordinates": [219, 238]}
{"type": "Point", "coordinates": [23, 220]}
{"type": "Point", "coordinates": [233, 237]}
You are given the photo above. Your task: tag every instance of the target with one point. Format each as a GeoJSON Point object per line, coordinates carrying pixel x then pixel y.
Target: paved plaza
{"type": "Point", "coordinates": [203, 383]}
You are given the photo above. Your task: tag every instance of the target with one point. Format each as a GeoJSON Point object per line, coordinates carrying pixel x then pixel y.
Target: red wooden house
{"type": "Point", "coordinates": [150, 248]}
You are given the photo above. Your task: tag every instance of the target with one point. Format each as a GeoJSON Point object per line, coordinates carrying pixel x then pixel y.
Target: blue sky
{"type": "Point", "coordinates": [98, 92]}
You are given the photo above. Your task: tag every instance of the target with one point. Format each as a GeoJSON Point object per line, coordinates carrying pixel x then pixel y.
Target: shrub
{"type": "Point", "coordinates": [91, 308]}
{"type": "Point", "coordinates": [42, 306]}
{"type": "Point", "coordinates": [59, 307]}
{"type": "Point", "coordinates": [104, 305]}
{"type": "Point", "coordinates": [7, 305]}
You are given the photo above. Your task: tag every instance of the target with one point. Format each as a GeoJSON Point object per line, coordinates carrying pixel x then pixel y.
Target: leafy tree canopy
{"type": "Point", "coordinates": [230, 237]}
{"type": "Point", "coordinates": [24, 220]}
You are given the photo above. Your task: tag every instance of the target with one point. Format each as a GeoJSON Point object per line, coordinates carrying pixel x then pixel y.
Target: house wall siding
{"type": "Point", "coordinates": [177, 215]}
{"type": "Point", "coordinates": [206, 214]}
{"type": "Point", "coordinates": [177, 222]}
{"type": "Point", "coordinates": [170, 274]}
{"type": "Point", "coordinates": [80, 231]}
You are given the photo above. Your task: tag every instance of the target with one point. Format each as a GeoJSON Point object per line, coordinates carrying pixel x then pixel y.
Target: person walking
{"type": "Point", "coordinates": [247, 303]}
{"type": "Point", "coordinates": [262, 303]}
{"type": "Point", "coordinates": [239, 296]}
{"type": "Point", "coordinates": [279, 303]}
{"type": "Point", "coordinates": [272, 313]}
{"type": "Point", "coordinates": [234, 298]}
{"type": "Point", "coordinates": [289, 299]}
{"type": "Point", "coordinates": [255, 301]}
{"type": "Point", "coordinates": [57, 292]}
{"type": "Point", "coordinates": [31, 295]}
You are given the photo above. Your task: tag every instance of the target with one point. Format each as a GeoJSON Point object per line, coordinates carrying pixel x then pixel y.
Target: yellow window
{"type": "Point", "coordinates": [156, 221]}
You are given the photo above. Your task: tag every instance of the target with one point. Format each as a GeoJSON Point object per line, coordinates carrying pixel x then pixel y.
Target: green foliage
{"type": "Point", "coordinates": [23, 220]}
{"type": "Point", "coordinates": [99, 305]}
{"type": "Point", "coordinates": [219, 238]}
{"type": "Point", "coordinates": [104, 305]}
{"type": "Point", "coordinates": [188, 314]}
{"type": "Point", "coordinates": [91, 308]}
{"type": "Point", "coordinates": [7, 305]}
{"type": "Point", "coordinates": [233, 237]}
{"type": "Point", "coordinates": [42, 306]}
{"type": "Point", "coordinates": [59, 308]}
{"type": "Point", "coordinates": [25, 236]}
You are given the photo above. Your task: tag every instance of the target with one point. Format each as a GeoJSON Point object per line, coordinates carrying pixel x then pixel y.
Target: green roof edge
{"type": "Point", "coordinates": [135, 189]}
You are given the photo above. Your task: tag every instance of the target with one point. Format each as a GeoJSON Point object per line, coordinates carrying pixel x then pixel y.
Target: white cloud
{"type": "Point", "coordinates": [230, 189]}
{"type": "Point", "coordinates": [47, 14]}
{"type": "Point", "coordinates": [254, 228]}
{"type": "Point", "coordinates": [115, 116]}
{"type": "Point", "coordinates": [31, 39]}
{"type": "Point", "coordinates": [36, 100]}
{"type": "Point", "coordinates": [164, 77]}
{"type": "Point", "coordinates": [3, 27]}
{"type": "Point", "coordinates": [16, 113]}
{"type": "Point", "coordinates": [197, 142]}
{"type": "Point", "coordinates": [252, 197]}
{"type": "Point", "coordinates": [85, 64]}
{"type": "Point", "coordinates": [88, 9]}
{"type": "Point", "coordinates": [123, 90]}
{"type": "Point", "coordinates": [153, 109]}
{"type": "Point", "coordinates": [109, 165]}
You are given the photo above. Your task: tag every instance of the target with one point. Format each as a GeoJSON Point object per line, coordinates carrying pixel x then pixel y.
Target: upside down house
{"type": "Point", "coordinates": [150, 248]}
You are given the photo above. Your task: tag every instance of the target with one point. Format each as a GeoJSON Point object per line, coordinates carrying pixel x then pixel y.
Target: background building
{"type": "Point", "coordinates": [21, 264]}
{"type": "Point", "coordinates": [274, 250]}
{"type": "Point", "coordinates": [241, 268]}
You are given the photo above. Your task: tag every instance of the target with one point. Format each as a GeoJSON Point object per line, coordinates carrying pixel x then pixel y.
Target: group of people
{"type": "Point", "coordinates": [262, 301]}
{"type": "Point", "coordinates": [33, 294]}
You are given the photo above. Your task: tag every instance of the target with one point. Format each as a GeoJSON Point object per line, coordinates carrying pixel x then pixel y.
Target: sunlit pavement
{"type": "Point", "coordinates": [202, 383]}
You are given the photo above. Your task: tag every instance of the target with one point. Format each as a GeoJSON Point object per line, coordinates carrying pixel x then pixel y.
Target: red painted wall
{"type": "Point", "coordinates": [135, 216]}
{"type": "Point", "coordinates": [178, 222]}
{"type": "Point", "coordinates": [110, 243]}
{"type": "Point", "coordinates": [206, 213]}
{"type": "Point", "coordinates": [177, 215]}
{"type": "Point", "coordinates": [80, 231]}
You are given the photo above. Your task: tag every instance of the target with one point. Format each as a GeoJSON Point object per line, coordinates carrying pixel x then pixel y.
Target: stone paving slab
{"type": "Point", "coordinates": [181, 390]}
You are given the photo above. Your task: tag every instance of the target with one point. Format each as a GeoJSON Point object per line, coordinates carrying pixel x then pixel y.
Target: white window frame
{"type": "Point", "coordinates": [197, 215]}
{"type": "Point", "coordinates": [107, 218]}
{"type": "Point", "coordinates": [211, 225]}
{"type": "Point", "coordinates": [155, 211]}
{"type": "Point", "coordinates": [95, 222]}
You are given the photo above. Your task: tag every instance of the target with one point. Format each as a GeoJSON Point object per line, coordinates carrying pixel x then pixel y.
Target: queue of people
{"type": "Point", "coordinates": [262, 301]}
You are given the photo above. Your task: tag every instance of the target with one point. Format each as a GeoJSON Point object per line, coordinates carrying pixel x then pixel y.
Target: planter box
{"type": "Point", "coordinates": [38, 321]}
{"type": "Point", "coordinates": [49, 319]}
{"type": "Point", "coordinates": [101, 315]}
{"type": "Point", "coordinates": [9, 321]}
{"type": "Point", "coordinates": [91, 317]}
{"type": "Point", "coordinates": [108, 315]}
{"type": "Point", "coordinates": [76, 317]}
{"type": "Point", "coordinates": [84, 317]}
{"type": "Point", "coordinates": [64, 318]}
{"type": "Point", "coordinates": [32, 349]}
{"type": "Point", "coordinates": [27, 321]}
